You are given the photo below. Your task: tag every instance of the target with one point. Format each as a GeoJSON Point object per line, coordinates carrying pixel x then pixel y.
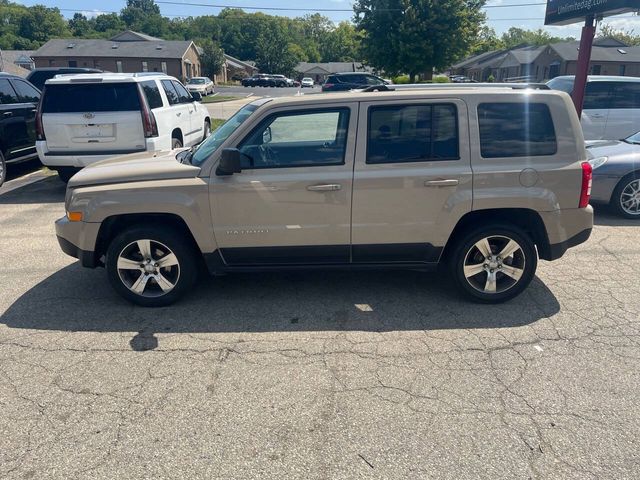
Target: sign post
{"type": "Point", "coordinates": [564, 12]}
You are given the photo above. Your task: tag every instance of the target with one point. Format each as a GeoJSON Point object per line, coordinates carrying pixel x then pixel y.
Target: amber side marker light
{"type": "Point", "coordinates": [74, 216]}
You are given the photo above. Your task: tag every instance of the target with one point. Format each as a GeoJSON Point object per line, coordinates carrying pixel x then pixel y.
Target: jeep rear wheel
{"type": "Point", "coordinates": [151, 266]}
{"type": "Point", "coordinates": [494, 264]}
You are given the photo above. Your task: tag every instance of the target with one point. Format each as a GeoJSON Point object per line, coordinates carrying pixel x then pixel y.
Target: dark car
{"type": "Point", "coordinates": [18, 102]}
{"type": "Point", "coordinates": [38, 76]}
{"type": "Point", "coordinates": [340, 82]}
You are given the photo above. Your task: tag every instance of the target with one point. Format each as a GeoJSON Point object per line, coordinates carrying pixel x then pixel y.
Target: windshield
{"type": "Point", "coordinates": [564, 84]}
{"type": "Point", "coordinates": [217, 138]}
{"type": "Point", "coordinates": [196, 80]}
{"type": "Point", "coordinates": [635, 139]}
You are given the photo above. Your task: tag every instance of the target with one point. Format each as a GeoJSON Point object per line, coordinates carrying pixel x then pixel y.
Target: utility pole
{"type": "Point", "coordinates": [582, 68]}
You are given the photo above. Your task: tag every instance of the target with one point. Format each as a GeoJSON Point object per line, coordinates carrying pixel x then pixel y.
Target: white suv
{"type": "Point", "coordinates": [83, 119]}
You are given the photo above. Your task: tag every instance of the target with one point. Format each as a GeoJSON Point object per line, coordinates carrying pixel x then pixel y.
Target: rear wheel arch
{"type": "Point", "coordinates": [529, 221]}
{"type": "Point", "coordinates": [112, 226]}
{"type": "Point", "coordinates": [177, 133]}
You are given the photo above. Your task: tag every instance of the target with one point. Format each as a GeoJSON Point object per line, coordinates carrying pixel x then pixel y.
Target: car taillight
{"type": "Point", "coordinates": [39, 125]}
{"type": "Point", "coordinates": [587, 181]}
{"type": "Point", "coordinates": [149, 124]}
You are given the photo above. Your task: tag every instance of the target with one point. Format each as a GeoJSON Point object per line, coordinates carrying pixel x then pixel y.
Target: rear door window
{"type": "Point", "coordinates": [91, 97]}
{"type": "Point", "coordinates": [26, 93]}
{"type": "Point", "coordinates": [172, 95]}
{"type": "Point", "coordinates": [626, 95]}
{"type": "Point", "coordinates": [412, 133]}
{"type": "Point", "coordinates": [598, 95]}
{"type": "Point", "coordinates": [516, 130]}
{"type": "Point", "coordinates": [152, 93]}
{"type": "Point", "coordinates": [7, 93]}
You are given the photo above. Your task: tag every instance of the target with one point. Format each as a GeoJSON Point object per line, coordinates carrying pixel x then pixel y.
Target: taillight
{"type": "Point", "coordinates": [149, 124]}
{"type": "Point", "coordinates": [39, 125]}
{"type": "Point", "coordinates": [587, 181]}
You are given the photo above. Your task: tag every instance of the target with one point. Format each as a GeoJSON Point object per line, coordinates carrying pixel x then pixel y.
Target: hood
{"type": "Point", "coordinates": [615, 148]}
{"type": "Point", "coordinates": [137, 167]}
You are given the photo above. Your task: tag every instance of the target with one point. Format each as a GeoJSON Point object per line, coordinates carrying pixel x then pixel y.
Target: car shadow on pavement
{"type": "Point", "coordinates": [49, 190]}
{"type": "Point", "coordinates": [77, 299]}
{"type": "Point", "coordinates": [605, 216]}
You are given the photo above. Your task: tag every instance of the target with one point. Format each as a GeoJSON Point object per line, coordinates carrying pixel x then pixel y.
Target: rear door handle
{"type": "Point", "coordinates": [8, 114]}
{"type": "Point", "coordinates": [178, 114]}
{"type": "Point", "coordinates": [441, 183]}
{"type": "Point", "coordinates": [333, 187]}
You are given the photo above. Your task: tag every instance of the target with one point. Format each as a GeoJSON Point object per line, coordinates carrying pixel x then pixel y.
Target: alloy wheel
{"type": "Point", "coordinates": [494, 264]}
{"type": "Point", "coordinates": [630, 198]}
{"type": "Point", "coordinates": [148, 268]}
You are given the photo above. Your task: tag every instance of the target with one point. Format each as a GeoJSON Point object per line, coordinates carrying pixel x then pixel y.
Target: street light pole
{"type": "Point", "coordinates": [582, 69]}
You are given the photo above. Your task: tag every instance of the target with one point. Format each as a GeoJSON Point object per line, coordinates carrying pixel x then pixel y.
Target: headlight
{"type": "Point", "coordinates": [598, 162]}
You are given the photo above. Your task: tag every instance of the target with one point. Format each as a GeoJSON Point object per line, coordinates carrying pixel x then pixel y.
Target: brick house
{"type": "Point", "coordinates": [126, 52]}
{"type": "Point", "coordinates": [537, 64]}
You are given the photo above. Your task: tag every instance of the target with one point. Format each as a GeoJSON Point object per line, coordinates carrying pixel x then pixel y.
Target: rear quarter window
{"type": "Point", "coordinates": [102, 97]}
{"type": "Point", "coordinates": [152, 93]}
{"type": "Point", "coordinates": [516, 130]}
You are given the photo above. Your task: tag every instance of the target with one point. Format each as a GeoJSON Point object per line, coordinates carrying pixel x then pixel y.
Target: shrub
{"type": "Point", "coordinates": [401, 80]}
{"type": "Point", "coordinates": [441, 79]}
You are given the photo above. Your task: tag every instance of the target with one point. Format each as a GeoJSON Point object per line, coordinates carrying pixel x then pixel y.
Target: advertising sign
{"type": "Point", "coordinates": [564, 12]}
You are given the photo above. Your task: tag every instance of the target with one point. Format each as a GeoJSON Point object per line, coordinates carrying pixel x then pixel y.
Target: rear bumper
{"type": "Point", "coordinates": [81, 159]}
{"type": "Point", "coordinates": [566, 229]}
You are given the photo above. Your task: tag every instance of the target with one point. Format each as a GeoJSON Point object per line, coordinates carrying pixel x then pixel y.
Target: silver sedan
{"type": "Point", "coordinates": [616, 174]}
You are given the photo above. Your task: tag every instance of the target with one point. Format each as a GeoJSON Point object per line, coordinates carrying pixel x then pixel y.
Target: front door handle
{"type": "Point", "coordinates": [441, 183]}
{"type": "Point", "coordinates": [178, 114]}
{"type": "Point", "coordinates": [333, 187]}
{"type": "Point", "coordinates": [8, 114]}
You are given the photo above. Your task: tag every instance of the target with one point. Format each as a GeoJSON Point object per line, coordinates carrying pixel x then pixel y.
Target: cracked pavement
{"type": "Point", "coordinates": [379, 375]}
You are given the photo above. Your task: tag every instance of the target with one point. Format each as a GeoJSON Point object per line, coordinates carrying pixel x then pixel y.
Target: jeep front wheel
{"type": "Point", "coordinates": [151, 266]}
{"type": "Point", "coordinates": [494, 264]}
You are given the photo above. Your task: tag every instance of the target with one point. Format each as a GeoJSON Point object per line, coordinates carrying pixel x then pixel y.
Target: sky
{"type": "Point", "coordinates": [502, 14]}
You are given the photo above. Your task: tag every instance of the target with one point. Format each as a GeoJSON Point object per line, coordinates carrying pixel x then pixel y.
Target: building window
{"type": "Point", "coordinates": [51, 62]}
{"type": "Point", "coordinates": [623, 69]}
{"type": "Point", "coordinates": [596, 69]}
{"type": "Point", "coordinates": [119, 66]}
{"type": "Point", "coordinates": [73, 63]}
{"type": "Point", "coordinates": [145, 67]}
{"type": "Point", "coordinates": [164, 67]}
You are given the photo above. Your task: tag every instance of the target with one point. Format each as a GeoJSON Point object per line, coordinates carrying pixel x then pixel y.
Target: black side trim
{"type": "Point", "coordinates": [396, 252]}
{"type": "Point", "coordinates": [557, 250]}
{"type": "Point", "coordinates": [86, 257]}
{"type": "Point", "coordinates": [94, 152]}
{"type": "Point", "coordinates": [300, 255]}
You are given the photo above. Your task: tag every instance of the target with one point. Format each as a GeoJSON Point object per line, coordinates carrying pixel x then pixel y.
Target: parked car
{"type": "Point", "coordinates": [616, 174]}
{"type": "Point", "coordinates": [263, 80]}
{"type": "Point", "coordinates": [611, 105]}
{"type": "Point", "coordinates": [307, 83]}
{"type": "Point", "coordinates": [87, 118]}
{"type": "Point", "coordinates": [340, 82]}
{"type": "Point", "coordinates": [18, 100]}
{"type": "Point", "coordinates": [280, 81]}
{"type": "Point", "coordinates": [38, 76]}
{"type": "Point", "coordinates": [484, 182]}
{"type": "Point", "coordinates": [202, 85]}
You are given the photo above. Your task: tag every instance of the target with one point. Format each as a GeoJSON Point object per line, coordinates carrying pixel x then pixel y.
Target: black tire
{"type": "Point", "coordinates": [616, 197]}
{"type": "Point", "coordinates": [522, 263]}
{"type": "Point", "coordinates": [66, 173]}
{"type": "Point", "coordinates": [3, 169]}
{"type": "Point", "coordinates": [207, 130]}
{"type": "Point", "coordinates": [160, 238]}
{"type": "Point", "coordinates": [176, 143]}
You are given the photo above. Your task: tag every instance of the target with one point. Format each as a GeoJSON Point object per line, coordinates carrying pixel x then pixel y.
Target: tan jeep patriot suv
{"type": "Point", "coordinates": [483, 181]}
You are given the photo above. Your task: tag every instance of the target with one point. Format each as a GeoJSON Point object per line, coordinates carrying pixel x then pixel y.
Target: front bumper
{"type": "Point", "coordinates": [77, 239]}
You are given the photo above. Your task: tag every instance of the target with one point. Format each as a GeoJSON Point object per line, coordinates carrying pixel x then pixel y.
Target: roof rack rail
{"type": "Point", "coordinates": [429, 86]}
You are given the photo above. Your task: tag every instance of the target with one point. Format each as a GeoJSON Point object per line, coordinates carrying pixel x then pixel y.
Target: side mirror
{"type": "Point", "coordinates": [266, 136]}
{"type": "Point", "coordinates": [229, 162]}
{"type": "Point", "coordinates": [196, 96]}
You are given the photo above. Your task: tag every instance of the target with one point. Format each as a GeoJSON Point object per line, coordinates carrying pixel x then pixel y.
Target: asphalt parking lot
{"type": "Point", "coordinates": [381, 375]}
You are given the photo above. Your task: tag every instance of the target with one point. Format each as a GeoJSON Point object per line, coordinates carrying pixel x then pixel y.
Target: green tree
{"type": "Point", "coordinates": [109, 23]}
{"type": "Point", "coordinates": [486, 41]}
{"type": "Point", "coordinates": [628, 37]}
{"type": "Point", "coordinates": [517, 36]}
{"type": "Point", "coordinates": [212, 58]}
{"type": "Point", "coordinates": [80, 25]}
{"type": "Point", "coordinates": [341, 44]}
{"type": "Point", "coordinates": [416, 36]}
{"type": "Point", "coordinates": [40, 24]}
{"type": "Point", "coordinates": [274, 54]}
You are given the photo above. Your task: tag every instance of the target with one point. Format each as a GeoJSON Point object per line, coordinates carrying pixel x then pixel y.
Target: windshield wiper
{"type": "Point", "coordinates": [185, 155]}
